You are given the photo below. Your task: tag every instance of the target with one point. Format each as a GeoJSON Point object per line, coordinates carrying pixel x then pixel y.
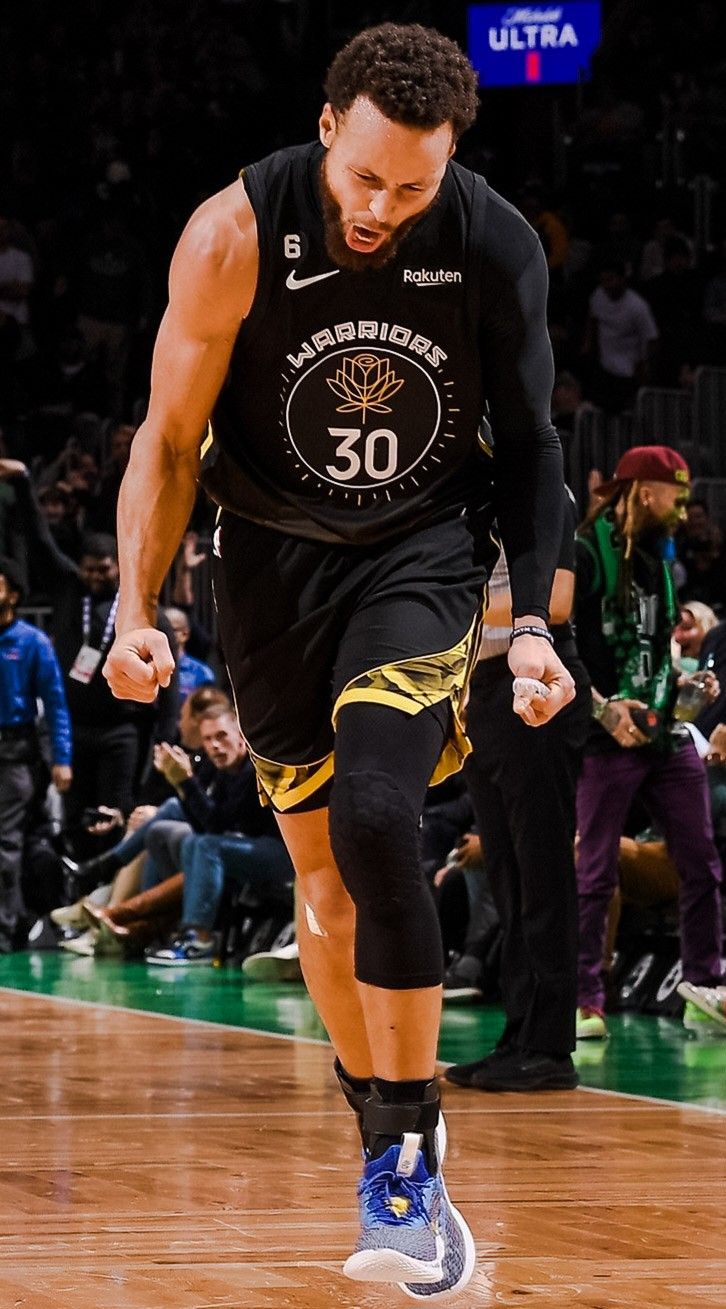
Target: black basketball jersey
{"type": "Point", "coordinates": [353, 405]}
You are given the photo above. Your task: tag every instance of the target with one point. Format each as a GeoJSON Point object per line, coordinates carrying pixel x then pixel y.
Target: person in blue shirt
{"type": "Point", "coordinates": [29, 672]}
{"type": "Point", "coordinates": [193, 673]}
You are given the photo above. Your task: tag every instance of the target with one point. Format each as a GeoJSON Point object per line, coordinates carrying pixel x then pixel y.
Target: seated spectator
{"type": "Point", "coordinates": [694, 622]}
{"type": "Point", "coordinates": [192, 673]}
{"type": "Point", "coordinates": [116, 874]}
{"type": "Point", "coordinates": [192, 710]}
{"type": "Point", "coordinates": [230, 835]}
{"type": "Point", "coordinates": [711, 651]}
{"type": "Point", "coordinates": [109, 893]}
{"type": "Point", "coordinates": [234, 837]}
{"type": "Point", "coordinates": [620, 339]}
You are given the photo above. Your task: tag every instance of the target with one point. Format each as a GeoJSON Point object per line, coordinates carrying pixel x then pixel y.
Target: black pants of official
{"type": "Point", "coordinates": [522, 783]}
{"type": "Point", "coordinates": [18, 780]}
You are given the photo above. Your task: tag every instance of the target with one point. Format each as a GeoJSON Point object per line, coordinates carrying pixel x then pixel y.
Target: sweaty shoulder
{"type": "Point", "coordinates": [215, 261]}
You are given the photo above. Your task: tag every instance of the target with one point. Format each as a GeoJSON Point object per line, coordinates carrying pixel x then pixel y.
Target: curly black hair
{"type": "Point", "coordinates": [413, 74]}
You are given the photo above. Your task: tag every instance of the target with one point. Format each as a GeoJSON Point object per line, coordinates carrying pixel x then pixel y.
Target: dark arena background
{"type": "Point", "coordinates": [173, 1136]}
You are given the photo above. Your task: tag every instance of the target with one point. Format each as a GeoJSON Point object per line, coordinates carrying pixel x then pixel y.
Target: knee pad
{"type": "Point", "coordinates": [374, 837]}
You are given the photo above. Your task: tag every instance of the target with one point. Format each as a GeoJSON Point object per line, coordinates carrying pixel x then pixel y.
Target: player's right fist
{"type": "Point", "coordinates": [138, 663]}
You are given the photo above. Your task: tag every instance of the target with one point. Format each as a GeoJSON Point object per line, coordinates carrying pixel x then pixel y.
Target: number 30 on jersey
{"type": "Point", "coordinates": [380, 453]}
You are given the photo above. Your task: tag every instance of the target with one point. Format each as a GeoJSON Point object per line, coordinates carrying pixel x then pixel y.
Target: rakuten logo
{"type": "Point", "coordinates": [431, 276]}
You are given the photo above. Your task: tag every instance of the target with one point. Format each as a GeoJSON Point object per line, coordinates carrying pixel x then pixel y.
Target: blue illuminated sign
{"type": "Point", "coordinates": [520, 45]}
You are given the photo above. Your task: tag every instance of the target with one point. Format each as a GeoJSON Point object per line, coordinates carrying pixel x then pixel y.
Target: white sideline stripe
{"type": "Point", "coordinates": [658, 1101]}
{"type": "Point", "coordinates": [686, 1105]}
{"type": "Point", "coordinates": [661, 1100]}
{"type": "Point", "coordinates": [172, 1018]}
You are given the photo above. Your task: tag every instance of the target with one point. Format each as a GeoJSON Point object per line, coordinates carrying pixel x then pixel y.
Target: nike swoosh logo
{"type": "Point", "coordinates": [294, 283]}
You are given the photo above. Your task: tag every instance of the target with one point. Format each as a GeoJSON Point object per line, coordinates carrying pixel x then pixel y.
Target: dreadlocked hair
{"type": "Point", "coordinates": [413, 74]}
{"type": "Point", "coordinates": [625, 494]}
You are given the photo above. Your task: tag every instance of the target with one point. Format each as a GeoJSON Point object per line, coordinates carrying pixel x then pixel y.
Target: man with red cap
{"type": "Point", "coordinates": [625, 611]}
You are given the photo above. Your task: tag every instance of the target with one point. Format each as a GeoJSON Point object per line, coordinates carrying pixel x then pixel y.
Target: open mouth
{"type": "Point", "coordinates": [364, 238]}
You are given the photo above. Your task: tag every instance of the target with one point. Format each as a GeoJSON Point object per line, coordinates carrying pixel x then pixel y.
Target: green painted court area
{"type": "Point", "coordinates": [643, 1055]}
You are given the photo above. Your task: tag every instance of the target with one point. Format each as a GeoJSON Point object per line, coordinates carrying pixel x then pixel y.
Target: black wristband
{"type": "Point", "coordinates": [532, 631]}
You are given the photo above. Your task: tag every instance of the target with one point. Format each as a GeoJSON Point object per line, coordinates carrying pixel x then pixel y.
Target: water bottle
{"type": "Point", "coordinates": [693, 695]}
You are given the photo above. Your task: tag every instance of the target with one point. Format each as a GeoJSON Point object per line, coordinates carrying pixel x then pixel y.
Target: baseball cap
{"type": "Point", "coordinates": [647, 463]}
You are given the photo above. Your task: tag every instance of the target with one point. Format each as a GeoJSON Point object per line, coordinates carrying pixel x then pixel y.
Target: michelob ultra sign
{"type": "Point", "coordinates": [519, 45]}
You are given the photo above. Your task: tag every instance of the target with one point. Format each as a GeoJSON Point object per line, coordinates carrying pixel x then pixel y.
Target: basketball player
{"type": "Point", "coordinates": [343, 315]}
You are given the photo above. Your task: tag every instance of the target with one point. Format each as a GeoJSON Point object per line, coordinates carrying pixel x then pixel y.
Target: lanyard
{"type": "Point", "coordinates": [110, 622]}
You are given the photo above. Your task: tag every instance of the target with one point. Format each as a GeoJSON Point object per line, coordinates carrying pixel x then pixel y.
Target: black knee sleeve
{"type": "Point", "coordinates": [374, 837]}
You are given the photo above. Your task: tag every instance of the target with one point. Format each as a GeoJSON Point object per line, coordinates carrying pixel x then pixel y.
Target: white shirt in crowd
{"type": "Point", "coordinates": [16, 266]}
{"type": "Point", "coordinates": [625, 328]}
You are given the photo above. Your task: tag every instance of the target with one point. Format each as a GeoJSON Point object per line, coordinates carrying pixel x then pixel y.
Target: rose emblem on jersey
{"type": "Point", "coordinates": [367, 419]}
{"type": "Point", "coordinates": [365, 383]}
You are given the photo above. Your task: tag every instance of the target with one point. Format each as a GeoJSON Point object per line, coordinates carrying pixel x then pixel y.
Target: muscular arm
{"type": "Point", "coordinates": [211, 287]}
{"type": "Point", "coordinates": [519, 375]}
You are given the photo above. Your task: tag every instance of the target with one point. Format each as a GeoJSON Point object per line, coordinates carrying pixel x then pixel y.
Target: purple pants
{"type": "Point", "coordinates": [674, 788]}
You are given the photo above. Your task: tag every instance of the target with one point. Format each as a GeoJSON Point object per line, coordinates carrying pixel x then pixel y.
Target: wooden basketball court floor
{"type": "Point", "coordinates": [158, 1152]}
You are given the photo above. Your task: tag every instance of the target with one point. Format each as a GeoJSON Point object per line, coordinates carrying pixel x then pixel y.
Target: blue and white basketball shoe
{"type": "Point", "coordinates": [410, 1232]}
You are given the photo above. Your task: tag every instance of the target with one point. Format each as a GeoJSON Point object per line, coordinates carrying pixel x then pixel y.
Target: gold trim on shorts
{"type": "Point", "coordinates": [409, 685]}
{"type": "Point", "coordinates": [285, 785]}
{"type": "Point", "coordinates": [415, 684]}
{"type": "Point", "coordinates": [208, 441]}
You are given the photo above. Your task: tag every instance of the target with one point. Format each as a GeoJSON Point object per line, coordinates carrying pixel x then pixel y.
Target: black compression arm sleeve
{"type": "Point", "coordinates": [518, 379]}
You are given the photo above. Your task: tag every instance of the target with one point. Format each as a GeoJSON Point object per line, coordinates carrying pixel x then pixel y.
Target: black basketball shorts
{"type": "Point", "coordinates": [307, 627]}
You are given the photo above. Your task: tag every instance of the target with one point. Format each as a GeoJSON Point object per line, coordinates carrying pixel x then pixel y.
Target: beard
{"type": "Point", "coordinates": [651, 525]}
{"type": "Point", "coordinates": [334, 230]}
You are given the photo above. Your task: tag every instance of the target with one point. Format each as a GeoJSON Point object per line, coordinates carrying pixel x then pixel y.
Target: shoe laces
{"type": "Point", "coordinates": [391, 1200]}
